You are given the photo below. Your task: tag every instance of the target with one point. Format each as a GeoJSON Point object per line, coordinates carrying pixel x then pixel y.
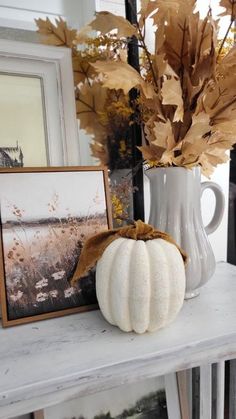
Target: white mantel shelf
{"type": "Point", "coordinates": [45, 363]}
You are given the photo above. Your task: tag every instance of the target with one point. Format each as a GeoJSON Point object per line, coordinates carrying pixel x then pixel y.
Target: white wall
{"type": "Point", "coordinates": [21, 14]}
{"type": "Point", "coordinates": [114, 6]}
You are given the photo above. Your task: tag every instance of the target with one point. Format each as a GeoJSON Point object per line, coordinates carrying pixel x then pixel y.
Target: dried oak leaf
{"type": "Point", "coordinates": [151, 152]}
{"type": "Point", "coordinates": [227, 66]}
{"type": "Point", "coordinates": [202, 48]}
{"type": "Point", "coordinates": [230, 6]}
{"type": "Point", "coordinates": [100, 152]}
{"type": "Point", "coordinates": [82, 69]}
{"type": "Point", "coordinates": [167, 158]}
{"type": "Point", "coordinates": [58, 34]}
{"type": "Point", "coordinates": [165, 8]}
{"type": "Point", "coordinates": [218, 99]}
{"type": "Point", "coordinates": [147, 8]}
{"type": "Point", "coordinates": [175, 41]}
{"type": "Point", "coordinates": [90, 100]}
{"type": "Point", "coordinates": [164, 136]}
{"type": "Point", "coordinates": [172, 95]}
{"type": "Point", "coordinates": [200, 127]}
{"type": "Point", "coordinates": [190, 152]}
{"type": "Point", "coordinates": [106, 22]}
{"type": "Point", "coordinates": [120, 75]}
{"type": "Point", "coordinates": [210, 159]}
{"type": "Point", "coordinates": [161, 142]}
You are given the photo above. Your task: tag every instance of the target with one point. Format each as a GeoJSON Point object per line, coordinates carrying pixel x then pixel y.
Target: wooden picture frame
{"type": "Point", "coordinates": [52, 68]}
{"type": "Point", "coordinates": [46, 215]}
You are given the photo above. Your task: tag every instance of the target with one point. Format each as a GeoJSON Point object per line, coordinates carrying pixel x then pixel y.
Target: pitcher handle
{"type": "Point", "coordinates": [219, 208]}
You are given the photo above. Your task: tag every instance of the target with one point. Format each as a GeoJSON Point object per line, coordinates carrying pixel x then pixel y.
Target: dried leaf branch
{"type": "Point", "coordinates": [187, 86]}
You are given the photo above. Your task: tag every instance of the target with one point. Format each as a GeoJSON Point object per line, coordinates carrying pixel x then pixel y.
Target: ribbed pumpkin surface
{"type": "Point", "coordinates": [140, 285]}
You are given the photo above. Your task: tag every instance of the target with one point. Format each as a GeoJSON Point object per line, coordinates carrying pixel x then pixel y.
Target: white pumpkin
{"type": "Point", "coordinates": [140, 284]}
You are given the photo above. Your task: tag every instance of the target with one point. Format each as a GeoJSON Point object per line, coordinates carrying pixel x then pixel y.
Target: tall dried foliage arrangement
{"type": "Point", "coordinates": [187, 85]}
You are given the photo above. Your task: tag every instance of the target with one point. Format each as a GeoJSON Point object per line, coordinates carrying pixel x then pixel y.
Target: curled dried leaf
{"type": "Point", "coordinates": [120, 75]}
{"type": "Point", "coordinates": [106, 22]}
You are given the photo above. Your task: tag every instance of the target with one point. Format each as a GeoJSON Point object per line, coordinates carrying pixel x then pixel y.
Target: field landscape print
{"type": "Point", "coordinates": [45, 219]}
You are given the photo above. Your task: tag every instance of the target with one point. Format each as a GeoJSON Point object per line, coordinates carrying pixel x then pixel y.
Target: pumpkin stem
{"type": "Point", "coordinates": [96, 245]}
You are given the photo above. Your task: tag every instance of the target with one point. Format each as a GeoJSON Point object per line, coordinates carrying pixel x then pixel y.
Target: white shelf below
{"type": "Point", "coordinates": [46, 363]}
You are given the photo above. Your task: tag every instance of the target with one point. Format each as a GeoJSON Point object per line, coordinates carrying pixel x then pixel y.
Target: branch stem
{"type": "Point", "coordinates": [143, 45]}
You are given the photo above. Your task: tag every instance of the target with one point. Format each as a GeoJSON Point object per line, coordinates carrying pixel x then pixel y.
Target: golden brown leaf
{"type": "Point", "coordinates": [58, 34]}
{"type": "Point", "coordinates": [230, 8]}
{"type": "Point", "coordinates": [82, 69]}
{"type": "Point", "coordinates": [172, 95]}
{"type": "Point", "coordinates": [163, 133]}
{"type": "Point", "coordinates": [166, 8]}
{"type": "Point", "coordinates": [176, 42]}
{"type": "Point", "coordinates": [100, 152]}
{"type": "Point", "coordinates": [90, 101]}
{"type": "Point", "coordinates": [167, 158]}
{"type": "Point", "coordinates": [120, 75]}
{"type": "Point", "coordinates": [199, 128]}
{"type": "Point", "coordinates": [147, 8]}
{"type": "Point", "coordinates": [191, 152]}
{"type": "Point", "coordinates": [106, 22]}
{"type": "Point", "coordinates": [151, 152]}
{"type": "Point", "coordinates": [203, 50]}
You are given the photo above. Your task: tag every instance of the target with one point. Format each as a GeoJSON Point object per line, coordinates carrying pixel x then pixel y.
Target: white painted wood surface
{"type": "Point", "coordinates": [205, 391]}
{"type": "Point", "coordinates": [46, 363]}
{"type": "Point", "coordinates": [184, 379]}
{"type": "Point", "coordinates": [172, 397]}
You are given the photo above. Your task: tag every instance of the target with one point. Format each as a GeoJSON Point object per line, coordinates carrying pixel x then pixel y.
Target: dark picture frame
{"type": "Point", "coordinates": [46, 216]}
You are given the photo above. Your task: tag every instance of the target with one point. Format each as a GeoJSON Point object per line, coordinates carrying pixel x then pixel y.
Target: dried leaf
{"type": "Point", "coordinates": [100, 152]}
{"type": "Point", "coordinates": [82, 69]}
{"type": "Point", "coordinates": [210, 159]}
{"type": "Point", "coordinates": [175, 46]}
{"type": "Point", "coordinates": [90, 100]}
{"type": "Point", "coordinates": [166, 8]}
{"type": "Point", "coordinates": [83, 35]}
{"type": "Point", "coordinates": [163, 133]}
{"type": "Point", "coordinates": [203, 50]}
{"type": "Point", "coordinates": [120, 75]}
{"type": "Point", "coordinates": [199, 128]}
{"type": "Point", "coordinates": [190, 152]}
{"type": "Point", "coordinates": [230, 6]}
{"type": "Point", "coordinates": [58, 34]}
{"type": "Point", "coordinates": [167, 158]}
{"type": "Point", "coordinates": [106, 22]}
{"type": "Point", "coordinates": [172, 95]}
{"type": "Point", "coordinates": [218, 99]}
{"type": "Point", "coordinates": [151, 152]}
{"type": "Point", "coordinates": [147, 8]}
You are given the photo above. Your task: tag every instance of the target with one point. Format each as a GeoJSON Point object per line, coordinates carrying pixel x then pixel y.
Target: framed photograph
{"type": "Point", "coordinates": [38, 125]}
{"type": "Point", "coordinates": [46, 216]}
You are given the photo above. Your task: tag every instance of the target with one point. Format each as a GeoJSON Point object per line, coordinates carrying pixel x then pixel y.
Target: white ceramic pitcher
{"type": "Point", "coordinates": [175, 207]}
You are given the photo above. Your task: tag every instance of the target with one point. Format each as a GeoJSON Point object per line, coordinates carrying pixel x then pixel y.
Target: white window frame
{"type": "Point", "coordinates": [54, 66]}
